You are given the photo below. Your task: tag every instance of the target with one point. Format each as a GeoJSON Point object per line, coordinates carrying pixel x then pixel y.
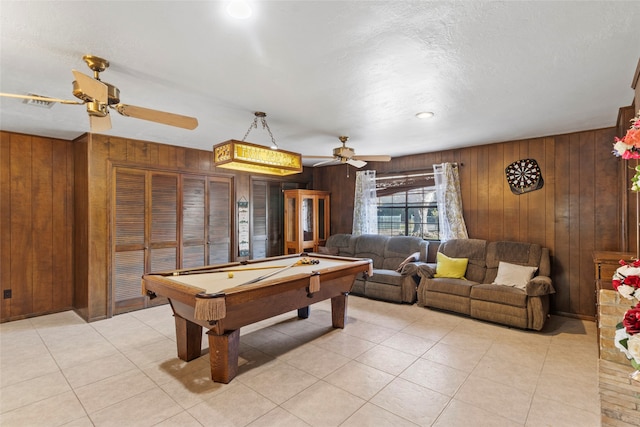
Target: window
{"type": "Point", "coordinates": [411, 212]}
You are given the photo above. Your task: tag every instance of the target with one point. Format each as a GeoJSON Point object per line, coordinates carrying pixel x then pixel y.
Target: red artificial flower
{"type": "Point", "coordinates": [631, 321]}
{"type": "Point", "coordinates": [632, 281]}
{"type": "Point", "coordinates": [627, 155]}
{"type": "Point", "coordinates": [616, 283]}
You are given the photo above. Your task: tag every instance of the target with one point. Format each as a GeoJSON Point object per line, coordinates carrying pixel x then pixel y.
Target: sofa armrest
{"type": "Point", "coordinates": [421, 269]}
{"type": "Point", "coordinates": [539, 285]}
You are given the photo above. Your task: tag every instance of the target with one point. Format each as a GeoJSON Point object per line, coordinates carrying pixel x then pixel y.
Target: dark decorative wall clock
{"type": "Point", "coordinates": [524, 176]}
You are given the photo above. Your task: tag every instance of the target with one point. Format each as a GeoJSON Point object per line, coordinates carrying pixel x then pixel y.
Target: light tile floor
{"type": "Point", "coordinates": [392, 365]}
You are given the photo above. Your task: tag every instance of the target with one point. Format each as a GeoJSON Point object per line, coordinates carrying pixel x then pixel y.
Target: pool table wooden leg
{"type": "Point", "coordinates": [303, 313]}
{"type": "Point", "coordinates": [223, 355]}
{"type": "Point", "coordinates": [188, 338]}
{"type": "Point", "coordinates": [339, 310]}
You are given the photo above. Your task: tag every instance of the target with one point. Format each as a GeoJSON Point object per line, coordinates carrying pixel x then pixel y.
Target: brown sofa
{"type": "Point", "coordinates": [476, 295]}
{"type": "Point", "coordinates": [387, 254]}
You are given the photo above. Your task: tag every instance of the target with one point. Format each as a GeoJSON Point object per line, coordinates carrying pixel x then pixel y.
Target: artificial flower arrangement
{"type": "Point", "coordinates": [628, 147]}
{"type": "Point", "coordinates": [626, 280]}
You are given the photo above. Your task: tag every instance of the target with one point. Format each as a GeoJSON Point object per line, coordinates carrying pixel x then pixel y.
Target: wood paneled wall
{"type": "Point", "coordinates": [96, 155]}
{"type": "Point", "coordinates": [36, 225]}
{"type": "Point", "coordinates": [55, 208]}
{"type": "Point", "coordinates": [576, 212]}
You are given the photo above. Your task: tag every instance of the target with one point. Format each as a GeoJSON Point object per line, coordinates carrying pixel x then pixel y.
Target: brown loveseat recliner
{"type": "Point", "coordinates": [395, 278]}
{"type": "Point", "coordinates": [475, 295]}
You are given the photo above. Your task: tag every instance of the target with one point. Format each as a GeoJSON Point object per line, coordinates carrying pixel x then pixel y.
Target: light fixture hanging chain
{"type": "Point", "coordinates": [254, 124]}
{"type": "Point", "coordinates": [265, 125]}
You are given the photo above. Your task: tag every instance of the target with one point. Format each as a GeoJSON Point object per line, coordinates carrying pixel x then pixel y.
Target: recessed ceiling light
{"type": "Point", "coordinates": [424, 115]}
{"type": "Point", "coordinates": [239, 9]}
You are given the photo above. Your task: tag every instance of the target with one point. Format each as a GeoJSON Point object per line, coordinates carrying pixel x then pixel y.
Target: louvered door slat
{"type": "Point", "coordinates": [219, 222]}
{"type": "Point", "coordinates": [193, 256]}
{"type": "Point", "coordinates": [259, 220]}
{"type": "Point", "coordinates": [163, 259]}
{"type": "Point", "coordinates": [193, 210]}
{"type": "Point", "coordinates": [164, 208]}
{"type": "Point", "coordinates": [129, 267]}
{"type": "Point", "coordinates": [129, 221]}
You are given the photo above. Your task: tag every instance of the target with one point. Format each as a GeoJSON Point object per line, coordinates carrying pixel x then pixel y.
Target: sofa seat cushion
{"type": "Point", "coordinates": [447, 285]}
{"type": "Point", "coordinates": [390, 277]}
{"type": "Point", "coordinates": [505, 295]}
{"type": "Point", "coordinates": [500, 313]}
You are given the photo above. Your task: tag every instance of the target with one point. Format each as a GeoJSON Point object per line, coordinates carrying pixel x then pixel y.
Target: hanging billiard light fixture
{"type": "Point", "coordinates": [248, 157]}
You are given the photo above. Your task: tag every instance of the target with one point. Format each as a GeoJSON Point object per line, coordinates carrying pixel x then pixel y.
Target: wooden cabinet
{"type": "Point", "coordinates": [606, 263]}
{"type": "Point", "coordinates": [306, 220]}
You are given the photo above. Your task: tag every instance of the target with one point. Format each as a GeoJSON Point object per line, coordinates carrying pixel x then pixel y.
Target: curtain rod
{"type": "Point", "coordinates": [415, 175]}
{"type": "Point", "coordinates": [405, 176]}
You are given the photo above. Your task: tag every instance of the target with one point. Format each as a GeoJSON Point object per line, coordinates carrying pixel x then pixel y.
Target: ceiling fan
{"type": "Point", "coordinates": [99, 96]}
{"type": "Point", "coordinates": [347, 155]}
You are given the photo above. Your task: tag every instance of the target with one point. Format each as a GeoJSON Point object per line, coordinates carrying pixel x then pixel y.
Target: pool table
{"type": "Point", "coordinates": [225, 297]}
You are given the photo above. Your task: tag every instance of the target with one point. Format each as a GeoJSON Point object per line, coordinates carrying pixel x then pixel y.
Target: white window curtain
{"type": "Point", "coordinates": [449, 199]}
{"type": "Point", "coordinates": [365, 209]}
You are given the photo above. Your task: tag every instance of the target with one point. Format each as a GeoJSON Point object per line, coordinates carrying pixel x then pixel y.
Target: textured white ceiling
{"type": "Point", "coordinates": [491, 71]}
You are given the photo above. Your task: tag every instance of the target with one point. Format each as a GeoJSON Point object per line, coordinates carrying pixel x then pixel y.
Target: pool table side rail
{"type": "Point", "coordinates": [243, 294]}
{"type": "Point", "coordinates": [217, 267]}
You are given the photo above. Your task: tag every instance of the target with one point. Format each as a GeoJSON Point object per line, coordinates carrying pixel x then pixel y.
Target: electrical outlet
{"type": "Point", "coordinates": [6, 294]}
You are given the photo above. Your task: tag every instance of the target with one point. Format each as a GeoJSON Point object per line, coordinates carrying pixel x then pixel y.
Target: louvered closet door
{"type": "Point", "coordinates": [220, 225]}
{"type": "Point", "coordinates": [194, 224]}
{"type": "Point", "coordinates": [145, 235]}
{"type": "Point", "coordinates": [163, 236]}
{"type": "Point", "coordinates": [129, 238]}
{"type": "Point", "coordinates": [259, 219]}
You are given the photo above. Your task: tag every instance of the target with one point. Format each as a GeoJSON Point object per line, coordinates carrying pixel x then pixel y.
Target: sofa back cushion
{"type": "Point", "coordinates": [432, 251]}
{"type": "Point", "coordinates": [528, 254]}
{"type": "Point", "coordinates": [398, 248]}
{"type": "Point", "coordinates": [344, 242]}
{"type": "Point", "coordinates": [472, 249]}
{"type": "Point", "coordinates": [372, 246]}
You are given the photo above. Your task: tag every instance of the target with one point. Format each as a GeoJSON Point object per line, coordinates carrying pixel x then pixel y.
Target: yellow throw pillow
{"type": "Point", "coordinates": [453, 268]}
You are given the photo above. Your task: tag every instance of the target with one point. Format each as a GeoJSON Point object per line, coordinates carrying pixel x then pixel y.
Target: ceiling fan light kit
{"type": "Point", "coordinates": [99, 96]}
{"type": "Point", "coordinates": [347, 155]}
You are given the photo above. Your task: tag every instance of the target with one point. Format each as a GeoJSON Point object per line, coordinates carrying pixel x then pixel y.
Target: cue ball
{"type": "Point", "coordinates": [230, 275]}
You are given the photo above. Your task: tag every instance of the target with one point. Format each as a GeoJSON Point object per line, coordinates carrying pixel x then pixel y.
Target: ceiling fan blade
{"type": "Point", "coordinates": [41, 98]}
{"type": "Point", "coordinates": [156, 116]}
{"type": "Point", "coordinates": [356, 163]}
{"type": "Point", "coordinates": [326, 162]}
{"type": "Point", "coordinates": [373, 158]}
{"type": "Point", "coordinates": [99, 123]}
{"type": "Point", "coordinates": [317, 157]}
{"type": "Point", "coordinates": [91, 88]}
